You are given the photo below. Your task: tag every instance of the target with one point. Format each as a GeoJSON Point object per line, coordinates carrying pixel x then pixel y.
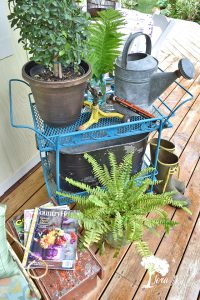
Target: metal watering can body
{"type": "Point", "coordinates": [133, 72]}
{"type": "Point", "coordinates": [136, 76]}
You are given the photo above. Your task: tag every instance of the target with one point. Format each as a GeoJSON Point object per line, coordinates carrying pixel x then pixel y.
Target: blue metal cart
{"type": "Point", "coordinates": [54, 139]}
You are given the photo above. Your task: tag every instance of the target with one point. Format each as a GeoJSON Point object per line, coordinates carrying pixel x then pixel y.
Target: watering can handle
{"type": "Point", "coordinates": [128, 43]}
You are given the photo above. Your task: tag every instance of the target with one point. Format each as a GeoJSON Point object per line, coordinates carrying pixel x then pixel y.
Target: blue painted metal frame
{"type": "Point", "coordinates": [55, 139]}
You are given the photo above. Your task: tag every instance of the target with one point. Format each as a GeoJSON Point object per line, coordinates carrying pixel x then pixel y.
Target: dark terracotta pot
{"type": "Point", "coordinates": [94, 11]}
{"type": "Point", "coordinates": [58, 103]}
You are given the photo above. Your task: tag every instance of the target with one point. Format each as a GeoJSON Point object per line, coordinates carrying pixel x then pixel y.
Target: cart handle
{"type": "Point", "coordinates": [11, 112]}
{"type": "Point", "coordinates": [182, 102]}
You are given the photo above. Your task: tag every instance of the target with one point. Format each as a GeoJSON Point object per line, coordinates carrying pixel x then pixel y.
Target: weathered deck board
{"type": "Point", "coordinates": [36, 199]}
{"type": "Point", "coordinates": [130, 272]}
{"type": "Point", "coordinates": [23, 192]}
{"type": "Point", "coordinates": [186, 285]}
{"type": "Point", "coordinates": [177, 95]}
{"type": "Point", "coordinates": [173, 246]}
{"type": "Point", "coordinates": [187, 111]}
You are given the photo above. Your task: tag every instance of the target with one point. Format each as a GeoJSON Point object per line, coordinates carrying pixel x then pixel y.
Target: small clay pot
{"type": "Point", "coordinates": [116, 244]}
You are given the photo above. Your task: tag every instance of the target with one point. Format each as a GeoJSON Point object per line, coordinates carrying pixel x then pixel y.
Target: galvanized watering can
{"type": "Point", "coordinates": [136, 76]}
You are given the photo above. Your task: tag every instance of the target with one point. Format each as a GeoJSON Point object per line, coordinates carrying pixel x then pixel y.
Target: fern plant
{"type": "Point", "coordinates": [120, 209]}
{"type": "Point", "coordinates": [105, 41]}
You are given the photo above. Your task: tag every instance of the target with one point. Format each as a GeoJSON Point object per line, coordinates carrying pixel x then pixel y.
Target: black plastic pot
{"type": "Point", "coordinates": [59, 103]}
{"type": "Point", "coordinates": [116, 243]}
{"type": "Point", "coordinates": [74, 165]}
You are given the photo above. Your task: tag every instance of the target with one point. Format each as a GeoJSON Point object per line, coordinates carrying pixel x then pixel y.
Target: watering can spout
{"type": "Point", "coordinates": [137, 78]}
{"type": "Point", "coordinates": [161, 81]}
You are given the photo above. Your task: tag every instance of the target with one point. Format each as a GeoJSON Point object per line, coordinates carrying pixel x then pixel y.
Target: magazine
{"type": "Point", "coordinates": [21, 223]}
{"type": "Point", "coordinates": [18, 224]}
{"type": "Point", "coordinates": [28, 216]}
{"type": "Point", "coordinates": [52, 238]}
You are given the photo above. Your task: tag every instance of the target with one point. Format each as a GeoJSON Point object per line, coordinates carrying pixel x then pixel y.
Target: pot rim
{"type": "Point", "coordinates": [56, 84]}
{"type": "Point", "coordinates": [98, 145]}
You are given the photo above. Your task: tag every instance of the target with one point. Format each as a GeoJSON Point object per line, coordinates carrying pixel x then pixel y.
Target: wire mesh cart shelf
{"type": "Point", "coordinates": [50, 139]}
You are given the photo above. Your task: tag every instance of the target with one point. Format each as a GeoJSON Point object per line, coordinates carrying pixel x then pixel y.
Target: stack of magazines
{"type": "Point", "coordinates": [50, 234]}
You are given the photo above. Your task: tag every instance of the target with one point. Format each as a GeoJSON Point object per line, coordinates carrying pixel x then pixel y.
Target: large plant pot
{"type": "Point", "coordinates": [59, 103]}
{"type": "Point", "coordinates": [74, 165]}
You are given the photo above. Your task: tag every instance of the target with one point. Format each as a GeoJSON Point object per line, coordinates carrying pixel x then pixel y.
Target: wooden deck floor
{"type": "Point", "coordinates": [124, 276]}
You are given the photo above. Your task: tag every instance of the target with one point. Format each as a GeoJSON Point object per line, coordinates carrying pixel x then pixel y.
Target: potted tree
{"type": "Point", "coordinates": [119, 212]}
{"type": "Point", "coordinates": [55, 35]}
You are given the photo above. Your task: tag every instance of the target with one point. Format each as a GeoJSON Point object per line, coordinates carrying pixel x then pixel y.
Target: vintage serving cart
{"type": "Point", "coordinates": [51, 139]}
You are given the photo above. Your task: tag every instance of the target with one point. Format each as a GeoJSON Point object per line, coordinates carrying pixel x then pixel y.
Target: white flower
{"type": "Point", "coordinates": [155, 264]}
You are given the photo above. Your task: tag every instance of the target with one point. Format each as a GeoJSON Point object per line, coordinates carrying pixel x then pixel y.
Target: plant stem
{"type": "Point", "coordinates": [60, 71]}
{"type": "Point", "coordinates": [55, 68]}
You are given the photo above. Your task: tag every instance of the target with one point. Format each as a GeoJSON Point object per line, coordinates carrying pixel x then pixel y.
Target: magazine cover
{"type": "Point", "coordinates": [53, 238]}
{"type": "Point", "coordinates": [18, 224]}
{"type": "Point", "coordinates": [28, 216]}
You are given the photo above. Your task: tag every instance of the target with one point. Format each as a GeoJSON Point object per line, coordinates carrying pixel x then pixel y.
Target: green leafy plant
{"type": "Point", "coordinates": [130, 4]}
{"type": "Point", "coordinates": [162, 3]}
{"type": "Point", "coordinates": [119, 212]}
{"type": "Point", "coordinates": [183, 9]}
{"type": "Point", "coordinates": [53, 32]}
{"type": "Point", "coordinates": [188, 9]}
{"type": "Point", "coordinates": [104, 42]}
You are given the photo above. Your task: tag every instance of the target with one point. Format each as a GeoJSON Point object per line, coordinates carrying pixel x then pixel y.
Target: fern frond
{"type": "Point", "coordinates": [95, 200]}
{"type": "Point", "coordinates": [143, 248]}
{"type": "Point", "coordinates": [125, 168]}
{"type": "Point", "coordinates": [114, 172]}
{"type": "Point", "coordinates": [105, 41]}
{"type": "Point", "coordinates": [138, 193]}
{"type": "Point", "coordinates": [83, 200]}
{"type": "Point", "coordinates": [80, 185]}
{"type": "Point", "coordinates": [187, 210]}
{"type": "Point", "coordinates": [110, 186]}
{"type": "Point", "coordinates": [96, 168]}
{"type": "Point", "coordinates": [118, 227]}
{"type": "Point", "coordinates": [92, 236]}
{"type": "Point", "coordinates": [148, 206]}
{"type": "Point", "coordinates": [166, 223]}
{"type": "Point", "coordinates": [142, 173]}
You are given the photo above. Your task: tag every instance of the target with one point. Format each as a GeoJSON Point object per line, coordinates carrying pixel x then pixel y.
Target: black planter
{"type": "Point", "coordinates": [95, 6]}
{"type": "Point", "coordinates": [59, 103]}
{"type": "Point", "coordinates": [74, 165]}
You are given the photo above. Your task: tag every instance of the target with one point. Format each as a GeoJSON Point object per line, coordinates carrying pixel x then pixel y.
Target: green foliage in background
{"type": "Point", "coordinates": [162, 3]}
{"type": "Point", "coordinates": [183, 9]}
{"type": "Point", "coordinates": [104, 42]}
{"type": "Point", "coordinates": [121, 208]}
{"type": "Point", "coordinates": [51, 30]}
{"type": "Point", "coordinates": [145, 6]}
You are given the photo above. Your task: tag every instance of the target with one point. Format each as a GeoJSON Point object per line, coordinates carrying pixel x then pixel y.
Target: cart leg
{"type": "Point", "coordinates": [58, 173]}
{"type": "Point", "coordinates": [44, 161]}
{"type": "Point", "coordinates": [156, 153]}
